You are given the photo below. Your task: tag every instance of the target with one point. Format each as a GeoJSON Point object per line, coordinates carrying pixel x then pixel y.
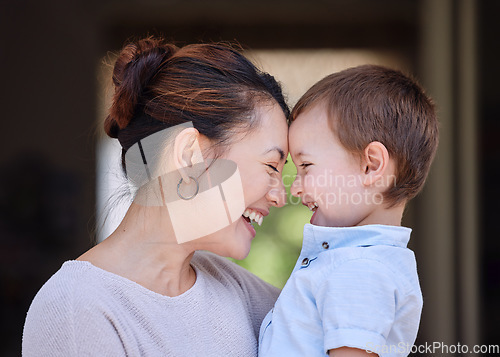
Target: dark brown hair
{"type": "Point", "coordinates": [373, 103]}
{"type": "Point", "coordinates": [159, 85]}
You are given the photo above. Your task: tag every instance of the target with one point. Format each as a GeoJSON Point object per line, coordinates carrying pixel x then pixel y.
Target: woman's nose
{"type": "Point", "coordinates": [277, 194]}
{"type": "Point", "coordinates": [296, 189]}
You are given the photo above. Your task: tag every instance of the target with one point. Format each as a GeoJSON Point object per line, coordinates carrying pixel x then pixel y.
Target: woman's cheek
{"type": "Point", "coordinates": [275, 180]}
{"type": "Point", "coordinates": [261, 185]}
{"type": "Point", "coordinates": [251, 185]}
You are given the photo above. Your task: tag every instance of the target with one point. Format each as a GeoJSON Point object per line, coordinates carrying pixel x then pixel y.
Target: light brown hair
{"type": "Point", "coordinates": [373, 103]}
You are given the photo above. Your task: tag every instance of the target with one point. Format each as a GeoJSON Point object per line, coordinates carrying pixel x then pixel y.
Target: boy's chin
{"type": "Point", "coordinates": [320, 220]}
{"type": "Point", "coordinates": [314, 219]}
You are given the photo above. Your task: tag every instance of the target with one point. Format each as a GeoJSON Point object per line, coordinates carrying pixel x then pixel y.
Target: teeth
{"type": "Point", "coordinates": [312, 206]}
{"type": "Point", "coordinates": [253, 216]}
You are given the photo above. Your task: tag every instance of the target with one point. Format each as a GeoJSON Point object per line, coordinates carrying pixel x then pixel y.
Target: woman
{"type": "Point", "coordinates": [184, 117]}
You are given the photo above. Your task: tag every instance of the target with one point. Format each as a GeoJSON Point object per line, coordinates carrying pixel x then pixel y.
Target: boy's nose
{"type": "Point", "coordinates": [296, 189]}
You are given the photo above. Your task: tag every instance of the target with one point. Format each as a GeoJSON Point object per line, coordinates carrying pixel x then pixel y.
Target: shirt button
{"type": "Point", "coordinates": [305, 261]}
{"type": "Point", "coordinates": [325, 245]}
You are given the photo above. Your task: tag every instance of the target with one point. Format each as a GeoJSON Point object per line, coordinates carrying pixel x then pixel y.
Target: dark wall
{"type": "Point", "coordinates": [489, 109]}
{"type": "Point", "coordinates": [47, 164]}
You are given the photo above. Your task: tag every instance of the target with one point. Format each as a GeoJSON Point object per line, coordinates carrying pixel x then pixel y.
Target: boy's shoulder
{"type": "Point", "coordinates": [395, 266]}
{"type": "Point", "coordinates": [392, 257]}
{"type": "Point", "coordinates": [332, 247]}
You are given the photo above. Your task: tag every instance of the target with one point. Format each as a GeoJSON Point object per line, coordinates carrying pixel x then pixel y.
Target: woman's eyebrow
{"type": "Point", "coordinates": [278, 149]}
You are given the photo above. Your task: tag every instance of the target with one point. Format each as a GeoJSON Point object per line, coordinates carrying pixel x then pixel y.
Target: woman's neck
{"type": "Point", "coordinates": [143, 249]}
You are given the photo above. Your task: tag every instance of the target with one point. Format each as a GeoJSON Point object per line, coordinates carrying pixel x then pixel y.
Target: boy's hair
{"type": "Point", "coordinates": [373, 103]}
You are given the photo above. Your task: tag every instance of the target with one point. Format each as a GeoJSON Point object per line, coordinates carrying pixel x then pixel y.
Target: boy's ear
{"type": "Point", "coordinates": [376, 161]}
{"type": "Point", "coordinates": [185, 151]}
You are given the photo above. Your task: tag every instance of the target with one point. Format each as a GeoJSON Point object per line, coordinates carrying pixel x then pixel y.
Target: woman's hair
{"type": "Point", "coordinates": [159, 85]}
{"type": "Point", "coordinates": [373, 103]}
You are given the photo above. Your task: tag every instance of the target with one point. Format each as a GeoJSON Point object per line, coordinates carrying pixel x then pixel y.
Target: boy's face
{"type": "Point", "coordinates": [329, 178]}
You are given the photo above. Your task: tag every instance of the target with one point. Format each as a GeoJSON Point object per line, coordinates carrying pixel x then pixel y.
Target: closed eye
{"type": "Point", "coordinates": [304, 165]}
{"type": "Point", "coordinates": [272, 167]}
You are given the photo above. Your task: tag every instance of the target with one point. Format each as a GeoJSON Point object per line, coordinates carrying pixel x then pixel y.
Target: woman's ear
{"type": "Point", "coordinates": [376, 162]}
{"type": "Point", "coordinates": [186, 151]}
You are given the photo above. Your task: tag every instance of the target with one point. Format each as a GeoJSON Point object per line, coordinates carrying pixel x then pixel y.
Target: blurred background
{"type": "Point", "coordinates": [57, 169]}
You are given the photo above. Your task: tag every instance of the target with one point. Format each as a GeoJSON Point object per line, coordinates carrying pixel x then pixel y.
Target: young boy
{"type": "Point", "coordinates": [363, 140]}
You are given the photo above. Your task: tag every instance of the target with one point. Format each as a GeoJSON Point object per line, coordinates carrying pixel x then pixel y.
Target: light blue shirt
{"type": "Point", "coordinates": [352, 286]}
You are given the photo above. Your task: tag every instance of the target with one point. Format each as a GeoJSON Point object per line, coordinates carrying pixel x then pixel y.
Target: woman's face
{"type": "Point", "coordinates": [260, 156]}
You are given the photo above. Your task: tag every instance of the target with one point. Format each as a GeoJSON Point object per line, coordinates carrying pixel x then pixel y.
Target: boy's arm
{"type": "Point", "coordinates": [350, 352]}
{"type": "Point", "coordinates": [357, 305]}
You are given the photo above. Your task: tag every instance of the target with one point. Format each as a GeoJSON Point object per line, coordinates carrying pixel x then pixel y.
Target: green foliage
{"type": "Point", "coordinates": [277, 244]}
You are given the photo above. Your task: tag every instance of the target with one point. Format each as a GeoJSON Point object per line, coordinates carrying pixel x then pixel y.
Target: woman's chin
{"type": "Point", "coordinates": [239, 248]}
{"type": "Point", "coordinates": [233, 241]}
{"type": "Point", "coordinates": [230, 251]}
{"type": "Point", "coordinates": [240, 255]}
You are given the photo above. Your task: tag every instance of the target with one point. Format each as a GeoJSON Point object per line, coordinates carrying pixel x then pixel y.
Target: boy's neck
{"type": "Point", "coordinates": [386, 216]}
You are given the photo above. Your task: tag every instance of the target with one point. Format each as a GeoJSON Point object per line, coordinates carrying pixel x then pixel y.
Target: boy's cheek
{"type": "Point", "coordinates": [316, 180]}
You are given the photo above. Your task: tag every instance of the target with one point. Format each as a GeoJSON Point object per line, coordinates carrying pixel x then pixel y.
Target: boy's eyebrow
{"type": "Point", "coordinates": [278, 149]}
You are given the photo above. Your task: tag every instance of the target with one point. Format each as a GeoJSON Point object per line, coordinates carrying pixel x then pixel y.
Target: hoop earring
{"type": "Point", "coordinates": [188, 197]}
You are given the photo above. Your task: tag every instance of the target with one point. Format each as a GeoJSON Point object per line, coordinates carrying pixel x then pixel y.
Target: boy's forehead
{"type": "Point", "coordinates": [310, 120]}
{"type": "Point", "coordinates": [317, 111]}
{"type": "Point", "coordinates": [299, 129]}
{"type": "Point", "coordinates": [306, 130]}
{"type": "Point", "coordinates": [312, 132]}
{"type": "Point", "coordinates": [295, 137]}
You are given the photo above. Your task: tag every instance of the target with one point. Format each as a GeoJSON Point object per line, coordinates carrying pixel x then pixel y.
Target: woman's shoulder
{"type": "Point", "coordinates": [53, 305]}
{"type": "Point", "coordinates": [65, 279]}
{"type": "Point", "coordinates": [75, 288]}
{"type": "Point", "coordinates": [77, 291]}
{"type": "Point", "coordinates": [66, 313]}
{"type": "Point", "coordinates": [68, 282]}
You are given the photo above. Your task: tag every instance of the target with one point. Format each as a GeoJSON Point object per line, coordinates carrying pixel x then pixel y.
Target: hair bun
{"type": "Point", "coordinates": [136, 65]}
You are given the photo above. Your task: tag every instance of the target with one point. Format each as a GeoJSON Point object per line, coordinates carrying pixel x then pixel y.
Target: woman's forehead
{"type": "Point", "coordinates": [272, 126]}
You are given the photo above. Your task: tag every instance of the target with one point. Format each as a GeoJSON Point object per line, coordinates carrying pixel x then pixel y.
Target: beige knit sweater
{"type": "Point", "coordinates": [83, 310]}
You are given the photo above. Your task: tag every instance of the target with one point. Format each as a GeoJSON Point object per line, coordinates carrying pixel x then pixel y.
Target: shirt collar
{"type": "Point", "coordinates": [318, 238]}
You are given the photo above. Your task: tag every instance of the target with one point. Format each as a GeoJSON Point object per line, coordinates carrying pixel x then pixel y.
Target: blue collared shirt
{"type": "Point", "coordinates": [351, 286]}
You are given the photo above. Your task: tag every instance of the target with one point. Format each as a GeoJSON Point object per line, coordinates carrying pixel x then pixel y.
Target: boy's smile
{"type": "Point", "coordinates": [330, 179]}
